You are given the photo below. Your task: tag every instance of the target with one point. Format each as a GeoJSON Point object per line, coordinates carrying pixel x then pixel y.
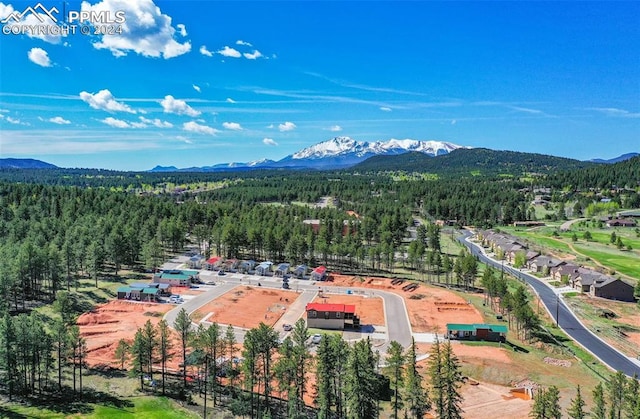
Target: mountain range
{"type": "Point", "coordinates": [618, 159]}
{"type": "Point", "coordinates": [25, 164]}
{"type": "Point", "coordinates": [336, 153]}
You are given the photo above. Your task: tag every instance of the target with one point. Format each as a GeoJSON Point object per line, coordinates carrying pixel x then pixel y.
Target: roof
{"type": "Point", "coordinates": [334, 308]}
{"type": "Point", "coordinates": [213, 260]}
{"type": "Point", "coordinates": [150, 291]}
{"type": "Point", "coordinates": [165, 275]}
{"type": "Point", "coordinates": [265, 265]}
{"type": "Point", "coordinates": [163, 286]}
{"type": "Point", "coordinates": [124, 289]}
{"type": "Point", "coordinates": [499, 328]}
{"type": "Point", "coordinates": [301, 268]}
{"type": "Point", "coordinates": [139, 285]}
{"type": "Point", "coordinates": [320, 270]}
{"type": "Point", "coordinates": [283, 267]}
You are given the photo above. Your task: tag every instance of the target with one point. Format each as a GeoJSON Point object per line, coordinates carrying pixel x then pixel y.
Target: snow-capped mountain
{"type": "Point", "coordinates": [336, 153]}
{"type": "Point", "coordinates": [340, 152]}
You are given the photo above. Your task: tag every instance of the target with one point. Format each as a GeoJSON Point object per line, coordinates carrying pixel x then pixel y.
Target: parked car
{"type": "Point", "coordinates": [176, 299]}
{"type": "Point", "coordinates": [316, 338]}
{"type": "Point", "coordinates": [221, 273]}
{"type": "Point", "coordinates": [287, 327]}
{"type": "Point", "coordinates": [285, 285]}
{"type": "Point", "coordinates": [210, 283]}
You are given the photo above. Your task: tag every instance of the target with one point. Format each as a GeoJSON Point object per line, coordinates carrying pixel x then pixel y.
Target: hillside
{"type": "Point", "coordinates": [11, 163]}
{"type": "Point", "coordinates": [623, 174]}
{"type": "Point", "coordinates": [472, 162]}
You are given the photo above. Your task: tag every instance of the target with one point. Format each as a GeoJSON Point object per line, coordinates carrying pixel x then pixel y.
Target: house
{"type": "Point", "coordinates": [231, 264]}
{"type": "Point", "coordinates": [195, 262]}
{"type": "Point", "coordinates": [300, 271]}
{"type": "Point", "coordinates": [319, 274]}
{"type": "Point", "coordinates": [565, 273]}
{"type": "Point", "coordinates": [264, 268]}
{"type": "Point", "coordinates": [213, 263]}
{"type": "Point", "coordinates": [331, 316]}
{"type": "Point", "coordinates": [176, 278]}
{"type": "Point", "coordinates": [128, 293]}
{"type": "Point", "coordinates": [621, 222]}
{"type": "Point", "coordinates": [541, 262]}
{"type": "Point", "coordinates": [150, 294]}
{"type": "Point", "coordinates": [478, 331]}
{"type": "Point", "coordinates": [282, 269]}
{"type": "Point", "coordinates": [246, 265]}
{"type": "Point", "coordinates": [584, 281]}
{"type": "Point", "coordinates": [612, 289]}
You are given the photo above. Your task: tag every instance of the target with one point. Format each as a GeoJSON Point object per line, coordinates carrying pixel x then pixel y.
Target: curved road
{"type": "Point", "coordinates": [396, 317]}
{"type": "Point", "coordinates": [558, 310]}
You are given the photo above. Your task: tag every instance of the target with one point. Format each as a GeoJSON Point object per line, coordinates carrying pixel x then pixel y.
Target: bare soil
{"type": "Point", "coordinates": [248, 306]}
{"type": "Point", "coordinates": [370, 310]}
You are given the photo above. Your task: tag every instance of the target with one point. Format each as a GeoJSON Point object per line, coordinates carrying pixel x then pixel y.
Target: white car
{"type": "Point", "coordinates": [176, 299]}
{"type": "Point", "coordinates": [316, 338]}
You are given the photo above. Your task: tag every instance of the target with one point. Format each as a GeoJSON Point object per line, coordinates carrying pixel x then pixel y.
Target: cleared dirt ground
{"type": "Point", "coordinates": [247, 306]}
{"type": "Point", "coordinates": [430, 309]}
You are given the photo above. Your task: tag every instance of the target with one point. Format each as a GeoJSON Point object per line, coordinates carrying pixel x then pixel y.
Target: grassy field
{"type": "Point", "coordinates": [599, 250]}
{"type": "Point", "coordinates": [144, 407]}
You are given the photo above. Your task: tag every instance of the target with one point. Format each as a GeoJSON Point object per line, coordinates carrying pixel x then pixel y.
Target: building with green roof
{"type": "Point", "coordinates": [477, 331]}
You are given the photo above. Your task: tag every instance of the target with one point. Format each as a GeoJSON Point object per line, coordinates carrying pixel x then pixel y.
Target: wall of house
{"type": "Point", "coordinates": [322, 323]}
{"type": "Point", "coordinates": [617, 290]}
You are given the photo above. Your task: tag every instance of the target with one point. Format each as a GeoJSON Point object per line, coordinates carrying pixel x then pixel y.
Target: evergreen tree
{"type": "Point", "coordinates": [416, 398]}
{"type": "Point", "coordinates": [632, 399]}
{"type": "Point", "coordinates": [436, 375]}
{"type": "Point", "coordinates": [576, 410]}
{"type": "Point", "coordinates": [395, 371]}
{"type": "Point", "coordinates": [452, 382]}
{"type": "Point", "coordinates": [122, 352]}
{"type": "Point", "coordinates": [164, 347]}
{"type": "Point", "coordinates": [362, 383]}
{"type": "Point", "coordinates": [599, 405]}
{"type": "Point", "coordinates": [182, 325]}
{"type": "Point", "coordinates": [616, 387]}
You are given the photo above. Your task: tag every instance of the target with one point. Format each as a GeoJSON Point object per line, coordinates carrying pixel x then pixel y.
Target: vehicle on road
{"type": "Point", "coordinates": [176, 299]}
{"type": "Point", "coordinates": [210, 283]}
{"type": "Point", "coordinates": [287, 327]}
{"type": "Point", "coordinates": [315, 339]}
{"type": "Point", "coordinates": [285, 286]}
{"type": "Point", "coordinates": [221, 273]}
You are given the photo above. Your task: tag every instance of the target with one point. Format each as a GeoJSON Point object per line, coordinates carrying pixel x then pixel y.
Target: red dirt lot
{"type": "Point", "coordinates": [430, 313]}
{"type": "Point", "coordinates": [370, 310]}
{"type": "Point", "coordinates": [247, 307]}
{"type": "Point", "coordinates": [104, 326]}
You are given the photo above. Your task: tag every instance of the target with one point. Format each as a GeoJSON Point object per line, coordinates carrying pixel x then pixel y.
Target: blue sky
{"type": "Point", "coordinates": [192, 83]}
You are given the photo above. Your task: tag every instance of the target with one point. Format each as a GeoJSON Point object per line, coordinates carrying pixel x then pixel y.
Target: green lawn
{"type": "Point", "coordinates": [143, 408]}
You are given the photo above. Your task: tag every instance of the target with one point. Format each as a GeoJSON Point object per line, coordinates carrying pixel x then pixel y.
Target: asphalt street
{"type": "Point", "coordinates": [563, 315]}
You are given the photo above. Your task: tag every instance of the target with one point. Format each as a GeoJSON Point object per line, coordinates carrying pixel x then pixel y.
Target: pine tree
{"type": "Point", "coordinates": [362, 383]}
{"type": "Point", "coordinates": [632, 399]}
{"type": "Point", "coordinates": [122, 352]}
{"type": "Point", "coordinates": [436, 375]}
{"type": "Point", "coordinates": [576, 410]}
{"type": "Point", "coordinates": [452, 383]}
{"type": "Point", "coordinates": [182, 325]}
{"type": "Point", "coordinates": [395, 371]}
{"type": "Point", "coordinates": [616, 388]}
{"type": "Point", "coordinates": [599, 406]}
{"type": "Point", "coordinates": [164, 346]}
{"type": "Point", "coordinates": [417, 400]}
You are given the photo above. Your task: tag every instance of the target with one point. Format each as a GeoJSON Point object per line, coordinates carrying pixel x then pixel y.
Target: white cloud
{"type": "Point", "coordinates": [4, 110]}
{"type": "Point", "coordinates": [177, 106]}
{"type": "Point", "coordinates": [230, 52]}
{"type": "Point", "coordinates": [335, 128]}
{"type": "Point", "coordinates": [146, 31]}
{"type": "Point", "coordinates": [385, 108]}
{"type": "Point", "coordinates": [13, 121]}
{"type": "Point", "coordinates": [27, 21]}
{"type": "Point", "coordinates": [253, 56]}
{"type": "Point", "coordinates": [453, 122]}
{"type": "Point", "coordinates": [196, 88]}
{"type": "Point", "coordinates": [39, 56]}
{"type": "Point", "coordinates": [156, 122]}
{"type": "Point", "coordinates": [105, 101]}
{"type": "Point", "coordinates": [229, 100]}
{"type": "Point", "coordinates": [205, 51]}
{"type": "Point", "coordinates": [183, 139]}
{"type": "Point", "coordinates": [616, 112]}
{"type": "Point", "coordinates": [269, 141]}
{"type": "Point", "coordinates": [193, 126]}
{"type": "Point", "coordinates": [241, 42]}
{"type": "Point", "coordinates": [59, 120]}
{"type": "Point", "coordinates": [270, 126]}
{"type": "Point", "coordinates": [233, 126]}
{"type": "Point", "coordinates": [182, 30]}
{"type": "Point", "coordinates": [287, 126]}
{"type": "Point", "coordinates": [116, 123]}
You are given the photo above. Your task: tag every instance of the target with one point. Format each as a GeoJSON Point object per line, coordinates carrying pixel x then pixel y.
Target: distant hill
{"type": "Point", "coordinates": [618, 159]}
{"type": "Point", "coordinates": [472, 162]}
{"type": "Point", "coordinates": [624, 174]}
{"type": "Point", "coordinates": [25, 164]}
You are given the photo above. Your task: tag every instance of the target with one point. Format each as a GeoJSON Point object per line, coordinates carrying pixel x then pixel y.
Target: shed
{"type": "Point", "coordinates": [124, 293]}
{"type": "Point", "coordinates": [264, 268]}
{"type": "Point", "coordinates": [319, 274]}
{"type": "Point", "coordinates": [300, 271]}
{"type": "Point", "coordinates": [282, 270]}
{"type": "Point", "coordinates": [246, 265]}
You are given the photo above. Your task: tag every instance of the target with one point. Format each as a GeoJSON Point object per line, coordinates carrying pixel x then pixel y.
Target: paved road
{"type": "Point", "coordinates": [568, 322]}
{"type": "Point", "coordinates": [397, 320]}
